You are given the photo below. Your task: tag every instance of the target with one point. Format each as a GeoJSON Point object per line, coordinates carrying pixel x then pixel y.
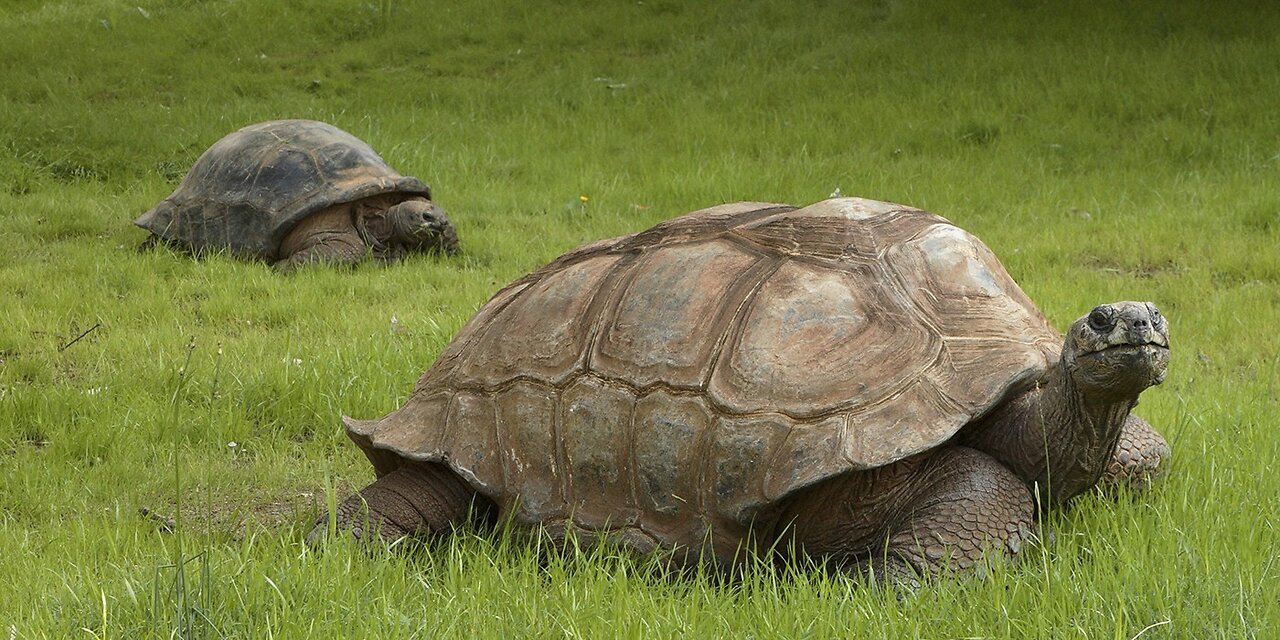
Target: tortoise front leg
{"type": "Point", "coordinates": [939, 511]}
{"type": "Point", "coordinates": [414, 500]}
{"type": "Point", "coordinates": [337, 247]}
{"type": "Point", "coordinates": [1138, 456]}
{"type": "Point", "coordinates": [327, 236]}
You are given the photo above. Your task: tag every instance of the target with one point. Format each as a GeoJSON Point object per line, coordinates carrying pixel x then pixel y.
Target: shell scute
{"type": "Point", "coordinates": [809, 453]}
{"type": "Point", "coordinates": [595, 432]}
{"type": "Point", "coordinates": [543, 330]}
{"type": "Point", "coordinates": [532, 473]}
{"type": "Point", "coordinates": [743, 450]}
{"type": "Point", "coordinates": [396, 432]}
{"type": "Point", "coordinates": [471, 415]}
{"type": "Point", "coordinates": [665, 324]}
{"type": "Point", "coordinates": [668, 430]}
{"type": "Point", "coordinates": [814, 340]}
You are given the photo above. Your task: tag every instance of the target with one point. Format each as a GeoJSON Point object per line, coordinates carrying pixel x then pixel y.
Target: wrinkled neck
{"type": "Point", "coordinates": [1086, 431]}
{"type": "Point", "coordinates": [1055, 436]}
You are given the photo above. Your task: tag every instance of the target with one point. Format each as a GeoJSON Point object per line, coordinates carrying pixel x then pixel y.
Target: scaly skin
{"type": "Point", "coordinates": [1056, 444]}
{"type": "Point", "coordinates": [941, 509]}
{"type": "Point", "coordinates": [1137, 458]}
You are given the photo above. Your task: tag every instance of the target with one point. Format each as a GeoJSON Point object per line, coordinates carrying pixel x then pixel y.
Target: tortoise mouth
{"type": "Point", "coordinates": [1150, 349]}
{"type": "Point", "coordinates": [1146, 361]}
{"type": "Point", "coordinates": [426, 231]}
{"type": "Point", "coordinates": [1126, 347]}
{"type": "Point", "coordinates": [1121, 367]}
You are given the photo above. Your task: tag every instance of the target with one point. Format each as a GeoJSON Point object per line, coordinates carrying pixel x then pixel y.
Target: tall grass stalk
{"type": "Point", "coordinates": [183, 604]}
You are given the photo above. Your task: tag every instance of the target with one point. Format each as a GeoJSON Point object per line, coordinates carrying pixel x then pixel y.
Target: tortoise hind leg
{"type": "Point", "coordinates": [413, 501]}
{"type": "Point", "coordinates": [939, 511]}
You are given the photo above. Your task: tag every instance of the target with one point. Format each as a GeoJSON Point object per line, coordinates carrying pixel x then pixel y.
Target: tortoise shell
{"type": "Point", "coordinates": [687, 379]}
{"type": "Point", "coordinates": [252, 187]}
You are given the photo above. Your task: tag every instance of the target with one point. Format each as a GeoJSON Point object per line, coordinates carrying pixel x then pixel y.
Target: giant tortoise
{"type": "Point", "coordinates": [292, 192]}
{"type": "Point", "coordinates": [857, 381]}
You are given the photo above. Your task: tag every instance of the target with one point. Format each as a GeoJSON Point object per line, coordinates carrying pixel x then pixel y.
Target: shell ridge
{"type": "Point", "coordinates": [700, 225]}
{"type": "Point", "coordinates": [729, 321]}
{"type": "Point", "coordinates": [604, 307]}
{"type": "Point", "coordinates": [632, 467]}
{"type": "Point", "coordinates": [766, 210]}
{"type": "Point", "coordinates": [452, 358]}
{"type": "Point", "coordinates": [561, 465]}
{"type": "Point", "coordinates": [447, 422]}
{"type": "Point", "coordinates": [704, 443]}
{"type": "Point", "coordinates": [744, 514]}
{"type": "Point", "coordinates": [648, 389]}
{"type": "Point", "coordinates": [500, 448]}
{"type": "Point", "coordinates": [768, 489]}
{"type": "Point", "coordinates": [850, 440]}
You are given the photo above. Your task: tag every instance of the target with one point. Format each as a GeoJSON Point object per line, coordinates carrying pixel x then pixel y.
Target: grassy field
{"type": "Point", "coordinates": [1105, 151]}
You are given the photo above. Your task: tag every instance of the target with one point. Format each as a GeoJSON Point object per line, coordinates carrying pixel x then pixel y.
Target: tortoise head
{"type": "Point", "coordinates": [410, 226]}
{"type": "Point", "coordinates": [1119, 348]}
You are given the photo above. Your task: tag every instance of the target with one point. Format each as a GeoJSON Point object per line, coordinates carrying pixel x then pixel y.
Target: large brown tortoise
{"type": "Point", "coordinates": [857, 381]}
{"type": "Point", "coordinates": [292, 192]}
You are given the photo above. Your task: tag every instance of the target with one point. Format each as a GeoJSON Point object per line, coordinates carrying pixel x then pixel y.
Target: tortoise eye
{"type": "Point", "coordinates": [1101, 320]}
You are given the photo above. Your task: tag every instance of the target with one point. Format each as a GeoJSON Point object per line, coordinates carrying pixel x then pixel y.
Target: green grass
{"type": "Point", "coordinates": [1104, 150]}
